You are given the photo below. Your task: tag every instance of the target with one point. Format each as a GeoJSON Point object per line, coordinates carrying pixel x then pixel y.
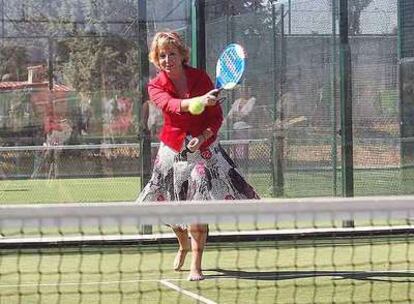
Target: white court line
{"type": "Point", "coordinates": [187, 293]}
{"type": "Point", "coordinates": [76, 283]}
{"type": "Point", "coordinates": [84, 283]}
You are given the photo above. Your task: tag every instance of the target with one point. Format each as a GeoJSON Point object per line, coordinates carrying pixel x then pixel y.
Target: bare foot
{"type": "Point", "coordinates": [180, 258]}
{"type": "Point", "coordinates": [196, 276]}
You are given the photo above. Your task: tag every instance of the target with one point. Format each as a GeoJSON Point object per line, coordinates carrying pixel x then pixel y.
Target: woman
{"type": "Point", "coordinates": [190, 164]}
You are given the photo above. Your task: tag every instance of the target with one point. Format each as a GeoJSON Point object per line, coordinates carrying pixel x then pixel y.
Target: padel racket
{"type": "Point", "coordinates": [230, 67]}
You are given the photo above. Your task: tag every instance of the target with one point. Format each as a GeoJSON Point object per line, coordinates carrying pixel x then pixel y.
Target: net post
{"type": "Point", "coordinates": [346, 101]}
{"type": "Point", "coordinates": [346, 106]}
{"type": "Point", "coordinates": [198, 53]}
{"type": "Point", "coordinates": [406, 92]}
{"type": "Point", "coordinates": [334, 98]}
{"type": "Point", "coordinates": [277, 137]}
{"type": "Point", "coordinates": [144, 133]}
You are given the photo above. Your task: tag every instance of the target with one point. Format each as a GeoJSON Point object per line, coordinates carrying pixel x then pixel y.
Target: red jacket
{"type": "Point", "coordinates": [178, 124]}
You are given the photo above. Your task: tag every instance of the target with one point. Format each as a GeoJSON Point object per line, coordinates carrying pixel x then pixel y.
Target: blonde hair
{"type": "Point", "coordinates": [162, 39]}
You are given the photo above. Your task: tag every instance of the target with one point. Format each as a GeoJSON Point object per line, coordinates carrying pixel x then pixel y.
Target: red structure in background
{"type": "Point", "coordinates": [50, 106]}
{"type": "Point", "coordinates": [52, 112]}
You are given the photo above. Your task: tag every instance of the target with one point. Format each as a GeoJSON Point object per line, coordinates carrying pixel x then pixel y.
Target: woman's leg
{"type": "Point", "coordinates": [198, 235]}
{"type": "Point", "coordinates": [184, 243]}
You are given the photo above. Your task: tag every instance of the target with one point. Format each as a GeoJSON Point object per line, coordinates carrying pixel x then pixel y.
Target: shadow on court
{"type": "Point", "coordinates": [381, 276]}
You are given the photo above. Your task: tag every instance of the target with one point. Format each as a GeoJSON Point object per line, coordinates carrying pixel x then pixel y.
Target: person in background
{"type": "Point", "coordinates": [238, 117]}
{"type": "Point", "coordinates": [190, 163]}
{"type": "Point", "coordinates": [57, 132]}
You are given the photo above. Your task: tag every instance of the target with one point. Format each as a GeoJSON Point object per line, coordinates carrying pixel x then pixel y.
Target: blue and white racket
{"type": "Point", "coordinates": [230, 67]}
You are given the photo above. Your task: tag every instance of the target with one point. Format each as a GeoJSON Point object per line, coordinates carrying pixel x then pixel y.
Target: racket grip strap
{"type": "Point", "coordinates": [220, 100]}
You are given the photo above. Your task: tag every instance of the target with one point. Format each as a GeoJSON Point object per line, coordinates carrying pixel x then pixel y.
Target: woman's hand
{"type": "Point", "coordinates": [195, 143]}
{"type": "Point", "coordinates": [211, 98]}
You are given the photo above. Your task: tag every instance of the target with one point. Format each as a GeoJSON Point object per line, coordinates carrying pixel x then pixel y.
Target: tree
{"type": "Point", "coordinates": [13, 60]}
{"type": "Point", "coordinates": [355, 8]}
{"type": "Point", "coordinates": [90, 62]}
{"type": "Point", "coordinates": [95, 40]}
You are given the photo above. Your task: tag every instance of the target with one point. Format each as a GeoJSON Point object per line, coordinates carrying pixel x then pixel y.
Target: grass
{"type": "Point", "coordinates": [341, 271]}
{"type": "Point", "coordinates": [297, 184]}
{"type": "Point", "coordinates": [320, 183]}
{"type": "Point", "coordinates": [69, 190]}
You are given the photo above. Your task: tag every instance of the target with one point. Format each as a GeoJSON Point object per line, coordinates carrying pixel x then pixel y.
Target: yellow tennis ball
{"type": "Point", "coordinates": [196, 107]}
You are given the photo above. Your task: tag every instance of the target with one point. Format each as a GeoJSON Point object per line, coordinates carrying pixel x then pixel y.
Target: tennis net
{"type": "Point", "coordinates": [267, 251]}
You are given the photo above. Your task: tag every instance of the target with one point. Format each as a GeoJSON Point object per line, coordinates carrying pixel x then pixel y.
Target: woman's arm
{"type": "Point", "coordinates": [209, 99]}
{"type": "Point", "coordinates": [167, 103]}
{"type": "Point", "coordinates": [214, 122]}
{"type": "Point", "coordinates": [163, 100]}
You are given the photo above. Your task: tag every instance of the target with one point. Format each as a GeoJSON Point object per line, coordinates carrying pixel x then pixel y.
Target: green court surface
{"type": "Point", "coordinates": [115, 189]}
{"type": "Point", "coordinates": [313, 271]}
{"type": "Point", "coordinates": [69, 190]}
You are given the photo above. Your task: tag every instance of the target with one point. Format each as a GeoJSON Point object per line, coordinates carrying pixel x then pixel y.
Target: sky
{"type": "Point", "coordinates": [308, 16]}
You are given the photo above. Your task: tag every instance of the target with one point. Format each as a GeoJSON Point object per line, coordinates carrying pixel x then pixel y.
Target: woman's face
{"type": "Point", "coordinates": [170, 60]}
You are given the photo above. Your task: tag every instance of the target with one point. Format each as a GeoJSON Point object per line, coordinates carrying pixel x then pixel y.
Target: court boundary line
{"type": "Point", "coordinates": [165, 282]}
{"type": "Point", "coordinates": [77, 283]}
{"type": "Point", "coordinates": [186, 292]}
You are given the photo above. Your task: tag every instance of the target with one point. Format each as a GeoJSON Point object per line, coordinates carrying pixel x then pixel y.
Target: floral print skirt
{"type": "Point", "coordinates": [206, 175]}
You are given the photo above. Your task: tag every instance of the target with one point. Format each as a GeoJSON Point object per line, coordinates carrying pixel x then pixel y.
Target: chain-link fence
{"type": "Point", "coordinates": [293, 75]}
{"type": "Point", "coordinates": [282, 124]}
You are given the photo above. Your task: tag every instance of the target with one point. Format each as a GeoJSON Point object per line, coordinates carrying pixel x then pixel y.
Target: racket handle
{"type": "Point", "coordinates": [218, 91]}
{"type": "Point", "coordinates": [182, 156]}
